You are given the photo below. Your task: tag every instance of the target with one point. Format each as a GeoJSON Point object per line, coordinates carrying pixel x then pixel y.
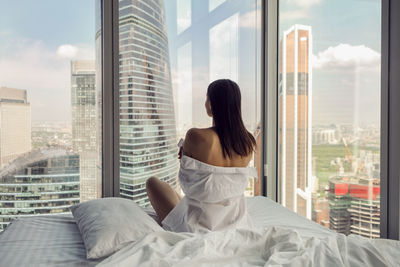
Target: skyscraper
{"type": "Point", "coordinates": [147, 122]}
{"type": "Point", "coordinates": [295, 102]}
{"type": "Point", "coordinates": [39, 182]}
{"type": "Point", "coordinates": [84, 126]}
{"type": "Point", "coordinates": [15, 124]}
{"type": "Point", "coordinates": [354, 204]}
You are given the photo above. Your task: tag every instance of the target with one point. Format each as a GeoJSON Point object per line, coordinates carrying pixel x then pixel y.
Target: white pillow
{"type": "Point", "coordinates": [108, 224]}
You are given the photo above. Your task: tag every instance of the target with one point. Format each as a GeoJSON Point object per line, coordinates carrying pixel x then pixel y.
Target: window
{"type": "Point", "coordinates": [49, 107]}
{"type": "Point", "coordinates": [168, 56]}
{"type": "Point", "coordinates": [329, 113]}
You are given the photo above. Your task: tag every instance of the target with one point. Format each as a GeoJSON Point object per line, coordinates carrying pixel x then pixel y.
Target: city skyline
{"type": "Point", "coordinates": [166, 62]}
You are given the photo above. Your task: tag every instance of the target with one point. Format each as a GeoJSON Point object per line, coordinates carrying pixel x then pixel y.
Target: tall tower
{"type": "Point", "coordinates": [147, 122]}
{"type": "Point", "coordinates": [15, 124]}
{"type": "Point", "coordinates": [295, 103]}
{"type": "Point", "coordinates": [84, 126]}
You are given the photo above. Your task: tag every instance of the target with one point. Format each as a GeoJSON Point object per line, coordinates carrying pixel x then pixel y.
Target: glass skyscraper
{"type": "Point", "coordinates": [147, 122]}
{"type": "Point", "coordinates": [37, 183]}
{"type": "Point", "coordinates": [84, 126]}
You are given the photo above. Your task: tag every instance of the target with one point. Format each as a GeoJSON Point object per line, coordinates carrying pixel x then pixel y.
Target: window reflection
{"type": "Point", "coordinates": [224, 41]}
{"type": "Point", "coordinates": [213, 4]}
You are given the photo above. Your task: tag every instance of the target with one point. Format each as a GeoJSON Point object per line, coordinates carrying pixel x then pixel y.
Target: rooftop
{"type": "Point", "coordinates": [13, 95]}
{"type": "Point", "coordinates": [33, 156]}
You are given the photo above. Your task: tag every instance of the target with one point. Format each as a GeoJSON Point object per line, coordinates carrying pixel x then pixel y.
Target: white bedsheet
{"type": "Point", "coordinates": [49, 240]}
{"type": "Point", "coordinates": [266, 213]}
{"type": "Point", "coordinates": [282, 239]}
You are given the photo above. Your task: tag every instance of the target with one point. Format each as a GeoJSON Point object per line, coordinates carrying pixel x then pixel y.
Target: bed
{"type": "Point", "coordinates": [56, 241]}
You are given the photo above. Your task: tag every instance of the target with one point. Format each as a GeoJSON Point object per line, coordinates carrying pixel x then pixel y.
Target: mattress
{"type": "Point", "coordinates": [267, 213]}
{"type": "Point", "coordinates": [52, 240]}
{"type": "Point", "coordinates": [56, 241]}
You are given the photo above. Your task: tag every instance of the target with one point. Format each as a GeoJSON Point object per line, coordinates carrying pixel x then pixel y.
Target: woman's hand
{"type": "Point", "coordinates": [180, 145]}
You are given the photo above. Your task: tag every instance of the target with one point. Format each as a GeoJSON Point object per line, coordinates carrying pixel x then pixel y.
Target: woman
{"type": "Point", "coordinates": [213, 173]}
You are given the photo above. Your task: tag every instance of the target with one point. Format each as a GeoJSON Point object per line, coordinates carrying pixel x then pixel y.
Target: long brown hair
{"type": "Point", "coordinates": [225, 99]}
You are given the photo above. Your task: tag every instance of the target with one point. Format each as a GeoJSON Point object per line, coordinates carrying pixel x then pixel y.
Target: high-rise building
{"type": "Point", "coordinates": [39, 182]}
{"type": "Point", "coordinates": [147, 121]}
{"type": "Point", "coordinates": [295, 103]}
{"type": "Point", "coordinates": [15, 124]}
{"type": "Point", "coordinates": [320, 210]}
{"type": "Point", "coordinates": [324, 136]}
{"type": "Point", "coordinates": [84, 126]}
{"type": "Point", "coordinates": [355, 205]}
{"type": "Point", "coordinates": [339, 203]}
{"type": "Point", "coordinates": [365, 208]}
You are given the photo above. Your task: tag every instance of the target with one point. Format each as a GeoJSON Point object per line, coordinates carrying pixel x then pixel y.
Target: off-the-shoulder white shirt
{"type": "Point", "coordinates": [214, 198]}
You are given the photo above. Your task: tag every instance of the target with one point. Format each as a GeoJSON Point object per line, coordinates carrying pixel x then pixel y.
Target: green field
{"type": "Point", "coordinates": [324, 154]}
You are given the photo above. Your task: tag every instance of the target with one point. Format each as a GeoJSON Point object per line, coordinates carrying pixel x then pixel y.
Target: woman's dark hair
{"type": "Point", "coordinates": [225, 99]}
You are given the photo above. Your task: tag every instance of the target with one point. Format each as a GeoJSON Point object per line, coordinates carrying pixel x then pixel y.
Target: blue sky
{"type": "Point", "coordinates": [38, 38]}
{"type": "Point", "coordinates": [346, 37]}
{"type": "Point", "coordinates": [346, 51]}
{"type": "Point", "coordinates": [54, 22]}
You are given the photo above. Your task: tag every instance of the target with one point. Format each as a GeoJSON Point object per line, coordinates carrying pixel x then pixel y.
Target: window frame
{"type": "Point", "coordinates": [390, 95]}
{"type": "Point", "coordinates": [269, 70]}
{"type": "Point", "coordinates": [110, 98]}
{"type": "Point", "coordinates": [390, 123]}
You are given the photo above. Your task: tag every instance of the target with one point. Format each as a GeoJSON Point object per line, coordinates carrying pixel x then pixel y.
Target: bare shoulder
{"type": "Point", "coordinates": [198, 138]}
{"type": "Point", "coordinates": [200, 133]}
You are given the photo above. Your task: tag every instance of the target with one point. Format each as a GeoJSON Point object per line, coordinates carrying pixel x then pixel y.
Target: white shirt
{"type": "Point", "coordinates": [214, 198]}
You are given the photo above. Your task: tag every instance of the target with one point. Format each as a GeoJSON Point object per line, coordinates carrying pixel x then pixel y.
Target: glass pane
{"type": "Point", "coordinates": [49, 112]}
{"type": "Point", "coordinates": [169, 52]}
{"type": "Point", "coordinates": [329, 112]}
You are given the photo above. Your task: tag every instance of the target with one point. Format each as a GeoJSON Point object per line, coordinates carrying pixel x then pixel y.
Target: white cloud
{"type": "Point", "coordinates": [345, 56]}
{"type": "Point", "coordinates": [4, 33]}
{"type": "Point", "coordinates": [304, 3]}
{"type": "Point", "coordinates": [43, 72]}
{"type": "Point", "coordinates": [69, 51]}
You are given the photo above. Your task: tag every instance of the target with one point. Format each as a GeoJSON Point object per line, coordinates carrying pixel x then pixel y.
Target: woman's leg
{"type": "Point", "coordinates": [162, 197]}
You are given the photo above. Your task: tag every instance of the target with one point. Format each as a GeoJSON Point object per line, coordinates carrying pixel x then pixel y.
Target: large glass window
{"type": "Point", "coordinates": [329, 112]}
{"type": "Point", "coordinates": [49, 112]}
{"type": "Point", "coordinates": [169, 52]}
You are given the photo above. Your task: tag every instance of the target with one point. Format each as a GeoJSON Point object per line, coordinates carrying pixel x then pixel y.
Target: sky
{"type": "Point", "coordinates": [346, 57]}
{"type": "Point", "coordinates": [39, 38]}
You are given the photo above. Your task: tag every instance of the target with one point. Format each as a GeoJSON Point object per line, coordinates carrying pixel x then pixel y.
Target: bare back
{"type": "Point", "coordinates": [204, 145]}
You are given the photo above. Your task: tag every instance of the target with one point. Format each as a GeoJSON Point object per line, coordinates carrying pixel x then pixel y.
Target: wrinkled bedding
{"type": "Point", "coordinates": [271, 246]}
{"type": "Point", "coordinates": [280, 238]}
